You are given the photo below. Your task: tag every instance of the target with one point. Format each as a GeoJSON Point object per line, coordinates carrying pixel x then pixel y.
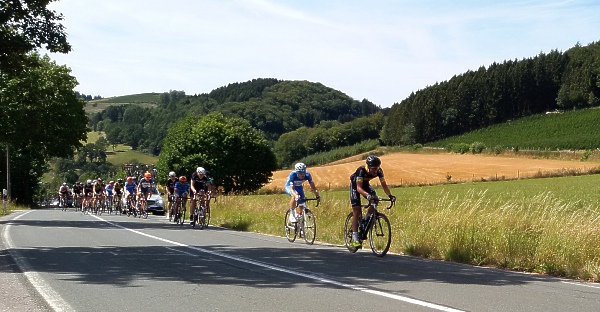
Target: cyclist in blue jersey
{"type": "Point", "coordinates": [293, 187]}
{"type": "Point", "coordinates": [130, 187]}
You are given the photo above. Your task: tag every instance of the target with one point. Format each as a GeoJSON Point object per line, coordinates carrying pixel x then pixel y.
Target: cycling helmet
{"type": "Point", "coordinates": [134, 178]}
{"type": "Point", "coordinates": [77, 183]}
{"type": "Point", "coordinates": [119, 180]}
{"type": "Point", "coordinates": [111, 182]}
{"type": "Point", "coordinates": [88, 181]}
{"type": "Point", "coordinates": [64, 183]}
{"type": "Point", "coordinates": [182, 179]}
{"type": "Point", "coordinates": [200, 170]}
{"type": "Point", "coordinates": [147, 175]}
{"type": "Point", "coordinates": [373, 161]}
{"type": "Point", "coordinates": [99, 180]}
{"type": "Point", "coordinates": [172, 174]}
{"type": "Point", "coordinates": [129, 179]}
{"type": "Point", "coordinates": [300, 168]}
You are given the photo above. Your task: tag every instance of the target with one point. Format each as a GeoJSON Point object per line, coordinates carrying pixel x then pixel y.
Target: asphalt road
{"type": "Point", "coordinates": [67, 261]}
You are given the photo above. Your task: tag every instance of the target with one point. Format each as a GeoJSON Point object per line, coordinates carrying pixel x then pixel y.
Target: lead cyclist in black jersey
{"type": "Point", "coordinates": [359, 185]}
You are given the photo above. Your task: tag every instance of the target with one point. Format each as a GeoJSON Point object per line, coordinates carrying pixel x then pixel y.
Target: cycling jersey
{"type": "Point", "coordinates": [109, 189]}
{"type": "Point", "coordinates": [77, 189]}
{"type": "Point", "coordinates": [295, 181]}
{"type": "Point", "coordinates": [118, 188]}
{"type": "Point", "coordinates": [146, 185]}
{"type": "Point", "coordinates": [171, 185]}
{"type": "Point", "coordinates": [88, 189]}
{"type": "Point", "coordinates": [98, 187]}
{"type": "Point", "coordinates": [361, 176]}
{"type": "Point", "coordinates": [200, 183]}
{"type": "Point", "coordinates": [130, 187]}
{"type": "Point", "coordinates": [181, 188]}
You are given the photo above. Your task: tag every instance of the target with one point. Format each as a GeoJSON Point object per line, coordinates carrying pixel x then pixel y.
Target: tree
{"type": "Point", "coordinates": [26, 26]}
{"type": "Point", "coordinates": [236, 154]}
{"type": "Point", "coordinates": [41, 117]}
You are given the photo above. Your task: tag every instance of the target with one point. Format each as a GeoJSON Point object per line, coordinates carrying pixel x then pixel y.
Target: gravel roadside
{"type": "Point", "coordinates": [16, 293]}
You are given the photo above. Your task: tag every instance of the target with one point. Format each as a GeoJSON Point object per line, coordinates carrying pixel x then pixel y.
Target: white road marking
{"type": "Point", "coordinates": [54, 300]}
{"type": "Point", "coordinates": [581, 284]}
{"type": "Point", "coordinates": [288, 271]}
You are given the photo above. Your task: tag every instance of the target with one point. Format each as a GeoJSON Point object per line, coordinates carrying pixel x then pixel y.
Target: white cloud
{"type": "Point", "coordinates": [381, 50]}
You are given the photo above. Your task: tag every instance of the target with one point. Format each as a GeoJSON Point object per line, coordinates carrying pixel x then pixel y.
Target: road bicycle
{"type": "Point", "coordinates": [178, 210]}
{"type": "Point", "coordinates": [303, 224]}
{"type": "Point", "coordinates": [131, 206]}
{"type": "Point", "coordinates": [374, 227]}
{"type": "Point", "coordinates": [201, 213]}
{"type": "Point", "coordinates": [117, 204]}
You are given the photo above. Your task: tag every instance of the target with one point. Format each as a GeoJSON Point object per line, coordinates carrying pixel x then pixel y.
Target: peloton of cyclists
{"type": "Point", "coordinates": [359, 185]}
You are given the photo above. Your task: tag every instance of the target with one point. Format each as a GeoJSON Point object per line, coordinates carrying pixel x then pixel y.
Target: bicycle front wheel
{"type": "Point", "coordinates": [348, 233]}
{"type": "Point", "coordinates": [309, 227]}
{"type": "Point", "coordinates": [290, 228]}
{"type": "Point", "coordinates": [380, 235]}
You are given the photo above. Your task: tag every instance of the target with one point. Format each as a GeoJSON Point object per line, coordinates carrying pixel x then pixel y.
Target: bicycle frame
{"type": "Point", "coordinates": [364, 228]}
{"type": "Point", "coordinates": [294, 229]}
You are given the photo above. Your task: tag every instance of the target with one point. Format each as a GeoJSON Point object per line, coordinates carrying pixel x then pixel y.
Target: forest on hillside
{"type": "Point", "coordinates": [499, 93]}
{"type": "Point", "coordinates": [272, 106]}
{"type": "Point", "coordinates": [302, 118]}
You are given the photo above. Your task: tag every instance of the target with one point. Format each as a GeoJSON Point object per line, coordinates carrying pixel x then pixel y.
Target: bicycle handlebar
{"type": "Point", "coordinates": [309, 199]}
{"type": "Point", "coordinates": [375, 201]}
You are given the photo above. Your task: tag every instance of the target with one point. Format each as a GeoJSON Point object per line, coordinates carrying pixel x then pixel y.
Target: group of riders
{"type": "Point", "coordinates": [96, 193]}
{"type": "Point", "coordinates": [201, 187]}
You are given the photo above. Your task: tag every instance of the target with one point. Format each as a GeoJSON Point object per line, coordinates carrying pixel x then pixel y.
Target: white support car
{"type": "Point", "coordinates": [156, 204]}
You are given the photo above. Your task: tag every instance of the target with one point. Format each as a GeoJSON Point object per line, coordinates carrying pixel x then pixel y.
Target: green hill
{"type": "Point", "coordinates": [569, 130]}
{"type": "Point", "coordinates": [144, 100]}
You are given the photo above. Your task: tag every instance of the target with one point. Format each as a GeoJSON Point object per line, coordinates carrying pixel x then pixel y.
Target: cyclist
{"type": "Point", "coordinates": [63, 191]}
{"type": "Point", "coordinates": [109, 191]}
{"type": "Point", "coordinates": [199, 182]}
{"type": "Point", "coordinates": [359, 185]}
{"type": "Point", "coordinates": [130, 188]}
{"type": "Point", "coordinates": [88, 190]}
{"type": "Point", "coordinates": [99, 192]}
{"type": "Point", "coordinates": [170, 186]}
{"type": "Point", "coordinates": [145, 186]}
{"type": "Point", "coordinates": [181, 188]}
{"type": "Point", "coordinates": [76, 192]}
{"type": "Point", "coordinates": [119, 186]}
{"type": "Point", "coordinates": [293, 187]}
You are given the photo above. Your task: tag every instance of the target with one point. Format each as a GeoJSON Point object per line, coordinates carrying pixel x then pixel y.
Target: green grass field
{"type": "Point", "coordinates": [122, 153]}
{"type": "Point", "coordinates": [547, 226]}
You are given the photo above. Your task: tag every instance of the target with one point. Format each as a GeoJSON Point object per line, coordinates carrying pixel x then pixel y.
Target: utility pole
{"type": "Point", "coordinates": [7, 172]}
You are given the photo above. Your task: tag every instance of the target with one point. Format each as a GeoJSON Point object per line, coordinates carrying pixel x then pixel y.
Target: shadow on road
{"type": "Point", "coordinates": [240, 265]}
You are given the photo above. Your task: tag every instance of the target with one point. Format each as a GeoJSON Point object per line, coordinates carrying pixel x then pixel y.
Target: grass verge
{"type": "Point", "coordinates": [546, 226]}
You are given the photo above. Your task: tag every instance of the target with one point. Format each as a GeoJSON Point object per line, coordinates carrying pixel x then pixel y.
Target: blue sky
{"type": "Point", "coordinates": [381, 50]}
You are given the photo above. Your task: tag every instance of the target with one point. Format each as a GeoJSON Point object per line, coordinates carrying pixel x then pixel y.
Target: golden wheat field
{"type": "Point", "coordinates": [421, 169]}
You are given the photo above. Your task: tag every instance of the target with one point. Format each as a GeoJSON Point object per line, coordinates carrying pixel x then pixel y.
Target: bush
{"type": "Point", "coordinates": [498, 150]}
{"type": "Point", "coordinates": [477, 147]}
{"type": "Point", "coordinates": [459, 148]}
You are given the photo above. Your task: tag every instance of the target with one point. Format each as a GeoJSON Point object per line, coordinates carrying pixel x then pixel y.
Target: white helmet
{"type": "Point", "coordinates": [300, 168]}
{"type": "Point", "coordinates": [172, 174]}
{"type": "Point", "coordinates": [88, 181]}
{"type": "Point", "coordinates": [200, 170]}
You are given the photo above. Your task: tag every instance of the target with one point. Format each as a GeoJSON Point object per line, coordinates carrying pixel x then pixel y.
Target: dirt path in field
{"type": "Point", "coordinates": [418, 169]}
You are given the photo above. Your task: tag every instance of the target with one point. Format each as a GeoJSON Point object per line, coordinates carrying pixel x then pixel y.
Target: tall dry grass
{"type": "Point", "coordinates": [547, 226]}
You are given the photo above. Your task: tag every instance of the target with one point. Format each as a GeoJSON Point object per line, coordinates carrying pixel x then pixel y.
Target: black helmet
{"type": "Point", "coordinates": [373, 161]}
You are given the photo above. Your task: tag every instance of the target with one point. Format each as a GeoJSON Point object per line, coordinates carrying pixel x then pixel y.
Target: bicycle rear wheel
{"type": "Point", "coordinates": [290, 228]}
{"type": "Point", "coordinates": [348, 233]}
{"type": "Point", "coordinates": [309, 227]}
{"type": "Point", "coordinates": [380, 235]}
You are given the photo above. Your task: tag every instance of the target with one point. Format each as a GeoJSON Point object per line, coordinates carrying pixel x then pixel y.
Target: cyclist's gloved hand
{"type": "Point", "coordinates": [318, 198]}
{"type": "Point", "coordinates": [297, 197]}
{"type": "Point", "coordinates": [392, 198]}
{"type": "Point", "coordinates": [371, 197]}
